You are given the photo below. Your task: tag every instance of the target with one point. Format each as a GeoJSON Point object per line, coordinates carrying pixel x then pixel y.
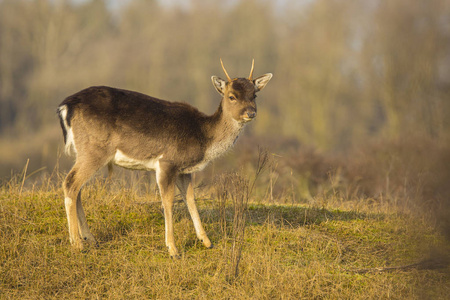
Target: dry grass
{"type": "Point", "coordinates": [287, 251]}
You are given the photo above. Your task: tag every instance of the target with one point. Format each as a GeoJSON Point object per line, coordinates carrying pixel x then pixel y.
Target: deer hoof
{"type": "Point", "coordinates": [175, 257]}
{"type": "Point", "coordinates": [207, 243]}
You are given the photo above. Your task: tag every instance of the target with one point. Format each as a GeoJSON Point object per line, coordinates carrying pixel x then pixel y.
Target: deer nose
{"type": "Point", "coordinates": [251, 114]}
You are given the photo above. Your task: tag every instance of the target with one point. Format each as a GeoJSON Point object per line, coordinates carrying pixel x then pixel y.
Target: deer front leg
{"type": "Point", "coordinates": [165, 178]}
{"type": "Point", "coordinates": [184, 184]}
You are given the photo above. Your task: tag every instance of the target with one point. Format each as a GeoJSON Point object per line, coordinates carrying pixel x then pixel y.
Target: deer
{"type": "Point", "coordinates": [105, 126]}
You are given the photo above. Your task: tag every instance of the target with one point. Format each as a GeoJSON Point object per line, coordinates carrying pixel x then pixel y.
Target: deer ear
{"type": "Point", "coordinates": [219, 84]}
{"type": "Point", "coordinates": [261, 81]}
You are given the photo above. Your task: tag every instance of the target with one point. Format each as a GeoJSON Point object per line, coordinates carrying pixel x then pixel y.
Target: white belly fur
{"type": "Point", "coordinates": [122, 160]}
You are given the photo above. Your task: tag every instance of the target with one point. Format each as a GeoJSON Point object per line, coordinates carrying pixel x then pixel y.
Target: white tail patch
{"type": "Point", "coordinates": [70, 143]}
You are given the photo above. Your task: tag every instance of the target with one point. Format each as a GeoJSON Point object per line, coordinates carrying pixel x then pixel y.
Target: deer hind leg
{"type": "Point", "coordinates": [76, 218]}
{"type": "Point", "coordinates": [165, 178]}
{"type": "Point", "coordinates": [184, 184]}
{"type": "Point", "coordinates": [83, 228]}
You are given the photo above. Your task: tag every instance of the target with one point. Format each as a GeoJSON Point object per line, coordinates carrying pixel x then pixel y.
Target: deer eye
{"type": "Point", "coordinates": [232, 98]}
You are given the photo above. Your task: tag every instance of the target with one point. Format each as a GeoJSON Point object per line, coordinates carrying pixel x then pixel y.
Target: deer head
{"type": "Point", "coordinates": [239, 94]}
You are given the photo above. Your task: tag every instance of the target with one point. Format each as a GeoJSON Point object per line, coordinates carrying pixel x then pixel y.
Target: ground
{"type": "Point", "coordinates": [282, 251]}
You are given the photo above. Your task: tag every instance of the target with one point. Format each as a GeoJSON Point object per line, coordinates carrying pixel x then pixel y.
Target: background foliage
{"type": "Point", "coordinates": [344, 72]}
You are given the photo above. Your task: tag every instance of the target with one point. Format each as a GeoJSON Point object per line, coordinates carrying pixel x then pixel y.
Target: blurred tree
{"type": "Point", "coordinates": [344, 71]}
{"type": "Point", "coordinates": [42, 40]}
{"type": "Point", "coordinates": [16, 62]}
{"type": "Point", "coordinates": [316, 66]}
{"type": "Point", "coordinates": [401, 57]}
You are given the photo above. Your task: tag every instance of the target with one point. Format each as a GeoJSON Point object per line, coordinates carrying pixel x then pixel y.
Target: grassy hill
{"type": "Point", "coordinates": [262, 251]}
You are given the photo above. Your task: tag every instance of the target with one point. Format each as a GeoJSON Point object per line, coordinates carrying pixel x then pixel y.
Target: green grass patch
{"type": "Point", "coordinates": [288, 252]}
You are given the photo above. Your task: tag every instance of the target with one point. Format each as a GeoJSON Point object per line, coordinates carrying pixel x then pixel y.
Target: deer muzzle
{"type": "Point", "coordinates": [249, 115]}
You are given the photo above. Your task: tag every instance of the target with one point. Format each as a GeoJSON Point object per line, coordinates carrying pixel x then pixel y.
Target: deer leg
{"type": "Point", "coordinates": [85, 233]}
{"type": "Point", "coordinates": [79, 174]}
{"type": "Point", "coordinates": [165, 178]}
{"type": "Point", "coordinates": [184, 184]}
{"type": "Point", "coordinates": [110, 171]}
{"type": "Point", "coordinates": [72, 185]}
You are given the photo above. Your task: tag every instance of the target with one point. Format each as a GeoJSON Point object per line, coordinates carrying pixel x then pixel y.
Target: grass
{"type": "Point", "coordinates": [287, 252]}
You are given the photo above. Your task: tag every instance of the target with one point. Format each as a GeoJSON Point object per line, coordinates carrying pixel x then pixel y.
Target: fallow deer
{"type": "Point", "coordinates": [106, 126]}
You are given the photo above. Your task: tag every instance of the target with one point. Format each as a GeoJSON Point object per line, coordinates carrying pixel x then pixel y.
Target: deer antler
{"type": "Point", "coordinates": [228, 77]}
{"type": "Point", "coordinates": [251, 71]}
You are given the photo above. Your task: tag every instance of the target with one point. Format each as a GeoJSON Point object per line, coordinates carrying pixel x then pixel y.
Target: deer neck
{"type": "Point", "coordinates": [223, 133]}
